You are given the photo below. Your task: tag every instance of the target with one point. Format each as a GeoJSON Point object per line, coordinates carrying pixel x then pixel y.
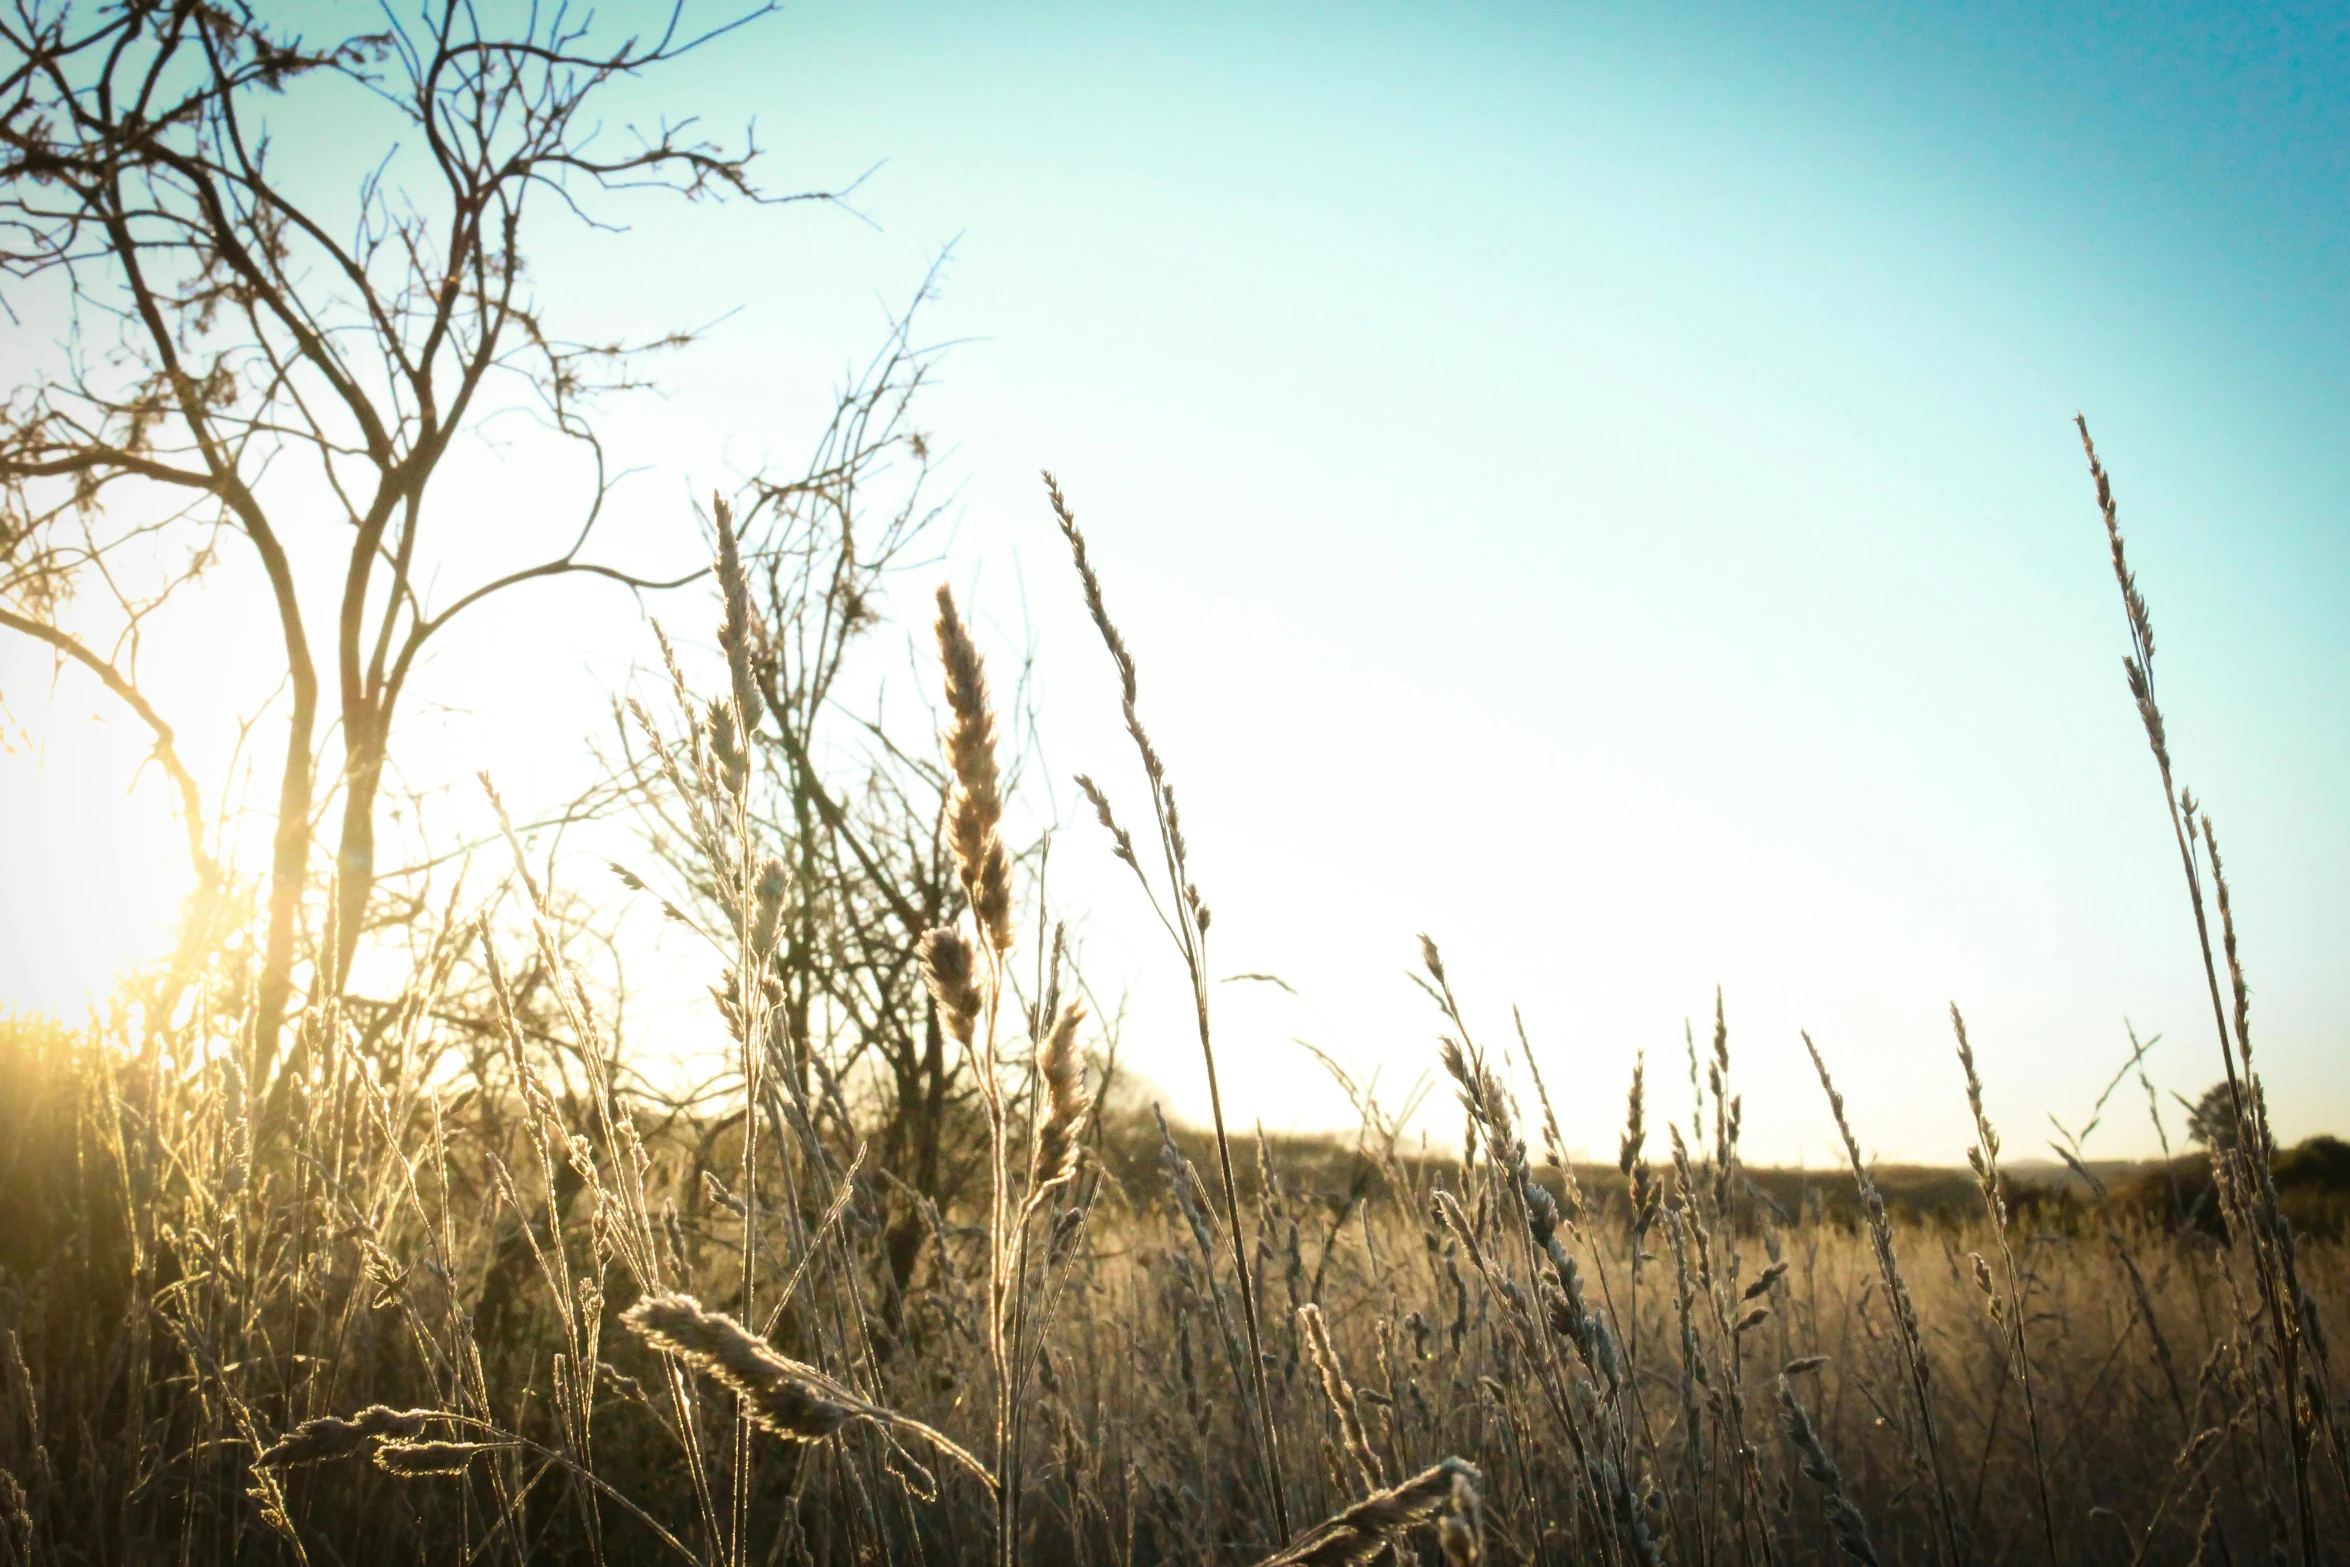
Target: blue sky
{"type": "Point", "coordinates": [1596, 483]}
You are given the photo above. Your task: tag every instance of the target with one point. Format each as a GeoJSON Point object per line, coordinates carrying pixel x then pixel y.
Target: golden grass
{"type": "Point", "coordinates": [435, 1290]}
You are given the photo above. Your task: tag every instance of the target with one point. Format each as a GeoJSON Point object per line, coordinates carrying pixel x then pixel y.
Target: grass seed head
{"type": "Point", "coordinates": [789, 1400]}
{"type": "Point", "coordinates": [947, 964]}
{"type": "Point", "coordinates": [767, 907]}
{"type": "Point", "coordinates": [330, 1437]}
{"type": "Point", "coordinates": [737, 631]}
{"type": "Point", "coordinates": [1067, 1105]}
{"type": "Point", "coordinates": [1341, 1395]}
{"type": "Point", "coordinates": [1358, 1535]}
{"type": "Point", "coordinates": [976, 812]}
{"type": "Point", "coordinates": [418, 1460]}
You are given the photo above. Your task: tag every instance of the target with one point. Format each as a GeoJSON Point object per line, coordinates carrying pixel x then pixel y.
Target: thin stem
{"type": "Point", "coordinates": [1189, 928]}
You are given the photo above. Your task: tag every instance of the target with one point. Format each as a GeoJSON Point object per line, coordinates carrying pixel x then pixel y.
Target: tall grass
{"type": "Point", "coordinates": [457, 1283]}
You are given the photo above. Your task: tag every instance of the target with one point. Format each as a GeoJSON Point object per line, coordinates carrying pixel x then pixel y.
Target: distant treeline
{"type": "Point", "coordinates": [1340, 1169]}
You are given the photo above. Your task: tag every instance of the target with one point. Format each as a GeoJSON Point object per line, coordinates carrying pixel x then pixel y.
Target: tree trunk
{"type": "Point", "coordinates": [355, 855]}
{"type": "Point", "coordinates": [915, 1138]}
{"type": "Point", "coordinates": [289, 871]}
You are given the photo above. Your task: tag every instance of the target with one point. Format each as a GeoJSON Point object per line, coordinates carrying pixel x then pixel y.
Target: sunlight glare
{"type": "Point", "coordinates": [95, 867]}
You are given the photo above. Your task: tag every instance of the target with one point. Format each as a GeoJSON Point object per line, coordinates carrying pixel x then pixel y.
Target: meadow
{"type": "Point", "coordinates": [451, 1277]}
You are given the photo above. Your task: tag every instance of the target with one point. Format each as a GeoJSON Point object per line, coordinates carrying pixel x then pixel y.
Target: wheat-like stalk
{"type": "Point", "coordinates": [975, 810]}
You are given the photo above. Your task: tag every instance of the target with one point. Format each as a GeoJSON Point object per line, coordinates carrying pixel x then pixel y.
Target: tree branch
{"type": "Point", "coordinates": [166, 752]}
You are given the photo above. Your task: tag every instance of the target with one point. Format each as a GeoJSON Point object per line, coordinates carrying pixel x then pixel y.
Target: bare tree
{"type": "Point", "coordinates": [263, 366]}
{"type": "Point", "coordinates": [849, 806]}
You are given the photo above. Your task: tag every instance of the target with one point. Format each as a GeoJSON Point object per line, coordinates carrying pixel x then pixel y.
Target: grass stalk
{"type": "Point", "coordinates": [1186, 916]}
{"type": "Point", "coordinates": [2252, 1143]}
{"type": "Point", "coordinates": [1983, 1158]}
{"type": "Point", "coordinates": [1917, 1375]}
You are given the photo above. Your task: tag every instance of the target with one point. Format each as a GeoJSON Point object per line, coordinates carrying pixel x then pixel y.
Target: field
{"type": "Point", "coordinates": [446, 1279]}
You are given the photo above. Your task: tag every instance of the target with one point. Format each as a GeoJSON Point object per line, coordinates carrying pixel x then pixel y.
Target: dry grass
{"type": "Point", "coordinates": [435, 1290]}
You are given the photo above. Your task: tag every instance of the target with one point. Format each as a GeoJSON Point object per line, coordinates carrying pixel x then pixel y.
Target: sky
{"type": "Point", "coordinates": [1592, 483]}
